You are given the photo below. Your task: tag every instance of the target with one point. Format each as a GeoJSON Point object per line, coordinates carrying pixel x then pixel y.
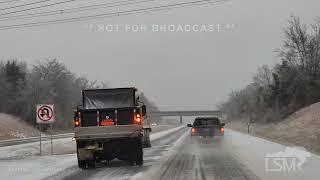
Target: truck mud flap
{"type": "Point", "coordinates": [85, 154]}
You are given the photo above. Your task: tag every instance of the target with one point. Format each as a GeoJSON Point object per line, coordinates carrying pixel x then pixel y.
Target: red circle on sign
{"type": "Point", "coordinates": [50, 112]}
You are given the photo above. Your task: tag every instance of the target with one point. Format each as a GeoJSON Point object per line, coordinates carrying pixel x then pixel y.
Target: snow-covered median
{"type": "Point", "coordinates": [60, 146]}
{"type": "Point", "coordinates": [37, 167]}
{"type": "Point", "coordinates": [161, 134]}
{"type": "Point", "coordinates": [17, 162]}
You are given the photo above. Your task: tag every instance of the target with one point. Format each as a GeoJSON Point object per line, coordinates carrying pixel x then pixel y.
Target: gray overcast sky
{"type": "Point", "coordinates": [175, 70]}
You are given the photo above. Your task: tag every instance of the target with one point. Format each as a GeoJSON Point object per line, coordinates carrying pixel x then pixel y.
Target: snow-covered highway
{"type": "Point", "coordinates": [174, 155]}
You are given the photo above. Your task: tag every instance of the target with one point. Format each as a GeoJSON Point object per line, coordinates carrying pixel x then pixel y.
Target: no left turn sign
{"type": "Point", "coordinates": [45, 113]}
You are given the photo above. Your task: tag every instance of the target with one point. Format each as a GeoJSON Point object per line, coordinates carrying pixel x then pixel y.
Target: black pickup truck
{"type": "Point", "coordinates": [207, 127]}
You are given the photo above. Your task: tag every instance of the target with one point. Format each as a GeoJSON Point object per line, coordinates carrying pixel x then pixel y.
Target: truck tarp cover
{"type": "Point", "coordinates": [100, 99]}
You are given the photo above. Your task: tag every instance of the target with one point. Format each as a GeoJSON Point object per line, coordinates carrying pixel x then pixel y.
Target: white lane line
{"type": "Point", "coordinates": [161, 146]}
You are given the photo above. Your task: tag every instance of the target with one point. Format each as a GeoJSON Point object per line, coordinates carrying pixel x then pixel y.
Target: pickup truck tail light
{"type": "Point", "coordinates": [193, 130]}
{"type": "Point", "coordinates": [137, 119]}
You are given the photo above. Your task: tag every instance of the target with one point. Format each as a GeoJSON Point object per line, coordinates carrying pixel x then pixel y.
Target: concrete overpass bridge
{"type": "Point", "coordinates": [180, 114]}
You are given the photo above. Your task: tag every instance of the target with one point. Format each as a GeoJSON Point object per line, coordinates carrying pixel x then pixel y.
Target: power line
{"type": "Point", "coordinates": [73, 10]}
{"type": "Point", "coordinates": [8, 1]}
{"type": "Point", "coordinates": [37, 7]}
{"type": "Point", "coordinates": [112, 14]}
{"type": "Point", "coordinates": [21, 5]}
{"type": "Point", "coordinates": [121, 13]}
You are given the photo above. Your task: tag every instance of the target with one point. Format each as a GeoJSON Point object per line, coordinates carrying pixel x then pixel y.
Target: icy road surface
{"type": "Point", "coordinates": [175, 155]}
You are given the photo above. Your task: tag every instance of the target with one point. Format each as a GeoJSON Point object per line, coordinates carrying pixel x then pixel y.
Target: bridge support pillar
{"type": "Point", "coordinates": [180, 119]}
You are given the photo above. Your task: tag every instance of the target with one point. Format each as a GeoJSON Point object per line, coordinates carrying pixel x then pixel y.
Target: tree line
{"type": "Point", "coordinates": [293, 83]}
{"type": "Point", "coordinates": [47, 82]}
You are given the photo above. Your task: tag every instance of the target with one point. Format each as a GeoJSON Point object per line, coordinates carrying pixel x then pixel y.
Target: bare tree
{"type": "Point", "coordinates": [291, 84]}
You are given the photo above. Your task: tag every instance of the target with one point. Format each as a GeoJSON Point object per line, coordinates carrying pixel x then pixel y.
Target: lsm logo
{"type": "Point", "coordinates": [289, 160]}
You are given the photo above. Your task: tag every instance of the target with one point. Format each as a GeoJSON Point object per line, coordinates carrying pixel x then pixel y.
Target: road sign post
{"type": "Point", "coordinates": [40, 138]}
{"type": "Point", "coordinates": [51, 139]}
{"type": "Point", "coordinates": [45, 115]}
{"type": "Point", "coordinates": [248, 125]}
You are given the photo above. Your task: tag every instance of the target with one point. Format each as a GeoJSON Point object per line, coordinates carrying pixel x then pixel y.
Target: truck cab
{"type": "Point", "coordinates": [111, 123]}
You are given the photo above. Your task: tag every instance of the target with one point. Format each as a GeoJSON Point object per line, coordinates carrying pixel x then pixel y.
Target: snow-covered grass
{"type": "Point", "coordinates": [301, 128]}
{"type": "Point", "coordinates": [12, 127]}
{"type": "Point", "coordinates": [253, 152]}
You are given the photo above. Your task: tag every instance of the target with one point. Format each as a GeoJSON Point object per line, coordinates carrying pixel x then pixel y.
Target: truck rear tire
{"type": "Point", "coordinates": [139, 160]}
{"type": "Point", "coordinates": [82, 164]}
{"type": "Point", "coordinates": [91, 163]}
{"type": "Point", "coordinates": [136, 156]}
{"type": "Point", "coordinates": [139, 153]}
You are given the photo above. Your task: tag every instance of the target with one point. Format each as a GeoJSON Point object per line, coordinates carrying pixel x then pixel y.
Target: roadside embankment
{"type": "Point", "coordinates": [301, 128]}
{"type": "Point", "coordinates": [12, 127]}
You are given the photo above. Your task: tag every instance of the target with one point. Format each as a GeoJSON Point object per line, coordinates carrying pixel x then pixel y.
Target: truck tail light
{"type": "Point", "coordinates": [222, 129]}
{"type": "Point", "coordinates": [77, 120]}
{"type": "Point", "coordinates": [193, 130]}
{"type": "Point", "coordinates": [137, 119]}
{"type": "Point", "coordinates": [76, 123]}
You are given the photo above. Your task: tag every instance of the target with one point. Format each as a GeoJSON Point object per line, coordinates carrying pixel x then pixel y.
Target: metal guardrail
{"type": "Point", "coordinates": [11, 142]}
